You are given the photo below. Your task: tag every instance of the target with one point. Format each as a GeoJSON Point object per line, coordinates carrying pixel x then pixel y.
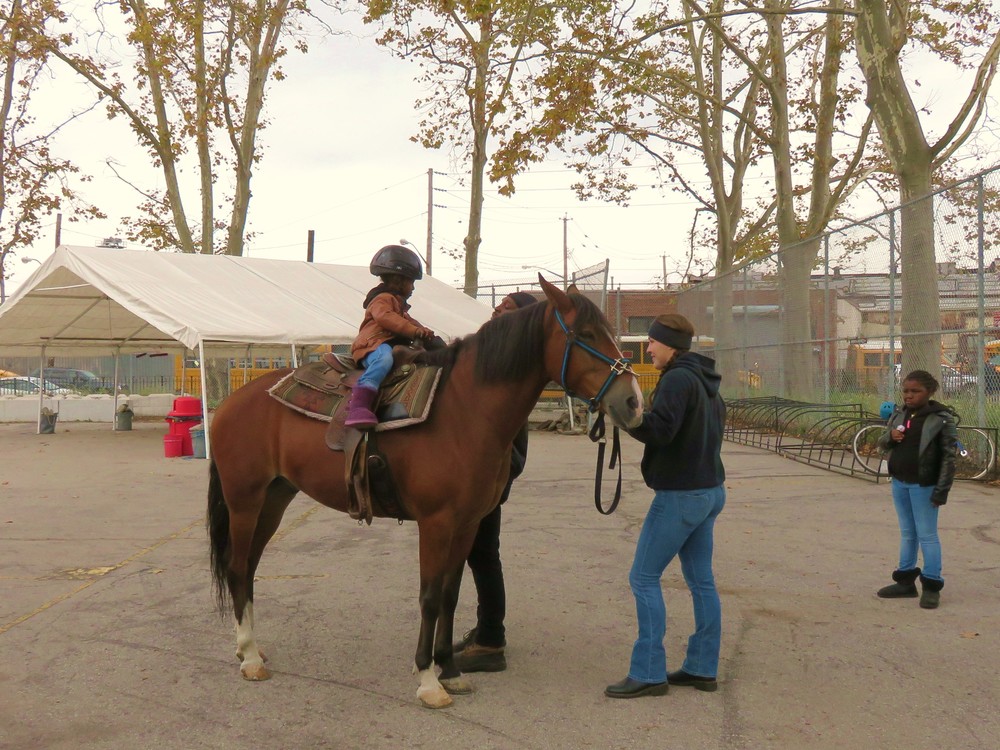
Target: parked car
{"type": "Point", "coordinates": [81, 381]}
{"type": "Point", "coordinates": [28, 386]}
{"type": "Point", "coordinates": [953, 381]}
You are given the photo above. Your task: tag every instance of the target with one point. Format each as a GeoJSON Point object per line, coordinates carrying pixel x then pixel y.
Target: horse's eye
{"type": "Point", "coordinates": [587, 336]}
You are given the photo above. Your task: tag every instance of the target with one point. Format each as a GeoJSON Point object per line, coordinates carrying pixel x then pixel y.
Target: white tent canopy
{"type": "Point", "coordinates": [90, 301]}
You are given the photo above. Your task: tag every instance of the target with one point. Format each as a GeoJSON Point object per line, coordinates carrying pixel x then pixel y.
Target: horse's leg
{"type": "Point", "coordinates": [277, 497]}
{"type": "Point", "coordinates": [435, 545]}
{"type": "Point", "coordinates": [442, 557]}
{"type": "Point", "coordinates": [451, 677]}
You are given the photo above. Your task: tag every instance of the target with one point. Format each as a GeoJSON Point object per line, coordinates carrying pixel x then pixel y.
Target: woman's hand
{"type": "Point", "coordinates": [896, 435]}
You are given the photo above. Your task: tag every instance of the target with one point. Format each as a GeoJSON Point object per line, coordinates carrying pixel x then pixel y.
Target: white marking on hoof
{"type": "Point", "coordinates": [457, 685]}
{"type": "Point", "coordinates": [430, 693]}
{"type": "Point", "coordinates": [255, 671]}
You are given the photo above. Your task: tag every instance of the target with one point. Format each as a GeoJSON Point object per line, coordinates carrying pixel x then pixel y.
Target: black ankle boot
{"type": "Point", "coordinates": [905, 586]}
{"type": "Point", "coordinates": [930, 596]}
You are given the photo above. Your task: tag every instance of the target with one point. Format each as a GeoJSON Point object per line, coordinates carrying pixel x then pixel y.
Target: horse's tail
{"type": "Point", "coordinates": [218, 536]}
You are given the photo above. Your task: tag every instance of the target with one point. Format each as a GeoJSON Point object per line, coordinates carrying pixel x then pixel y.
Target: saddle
{"type": "Point", "coordinates": [321, 390]}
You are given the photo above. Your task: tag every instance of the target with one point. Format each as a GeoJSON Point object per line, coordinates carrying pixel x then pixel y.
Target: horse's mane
{"type": "Point", "coordinates": [510, 347]}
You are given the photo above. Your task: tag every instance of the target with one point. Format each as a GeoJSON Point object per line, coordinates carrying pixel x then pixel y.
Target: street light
{"type": "Point", "coordinates": [26, 259]}
{"type": "Point", "coordinates": [427, 263]}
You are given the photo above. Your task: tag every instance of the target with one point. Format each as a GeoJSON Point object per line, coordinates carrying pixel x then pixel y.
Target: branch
{"type": "Point", "coordinates": [744, 12]}
{"type": "Point", "coordinates": [952, 138]}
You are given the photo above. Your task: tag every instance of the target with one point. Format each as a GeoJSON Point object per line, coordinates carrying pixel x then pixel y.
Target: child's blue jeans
{"type": "Point", "coordinates": [377, 364]}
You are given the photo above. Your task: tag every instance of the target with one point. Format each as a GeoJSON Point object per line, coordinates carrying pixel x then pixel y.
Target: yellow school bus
{"type": "Point", "coordinates": [871, 361]}
{"type": "Point", "coordinates": [187, 370]}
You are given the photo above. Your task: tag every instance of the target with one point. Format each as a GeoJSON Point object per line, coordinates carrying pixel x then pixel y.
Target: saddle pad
{"type": "Point", "coordinates": [322, 392]}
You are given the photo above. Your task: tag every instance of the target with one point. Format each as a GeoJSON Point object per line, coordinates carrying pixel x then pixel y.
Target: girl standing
{"type": "Point", "coordinates": [920, 439]}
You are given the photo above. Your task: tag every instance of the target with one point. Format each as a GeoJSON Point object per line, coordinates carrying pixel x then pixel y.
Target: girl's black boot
{"type": "Point", "coordinates": [905, 586]}
{"type": "Point", "coordinates": [930, 595]}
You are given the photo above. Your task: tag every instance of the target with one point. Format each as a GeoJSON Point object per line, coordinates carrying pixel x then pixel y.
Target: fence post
{"type": "Point", "coordinates": [981, 278]}
{"type": "Point", "coordinates": [826, 318]}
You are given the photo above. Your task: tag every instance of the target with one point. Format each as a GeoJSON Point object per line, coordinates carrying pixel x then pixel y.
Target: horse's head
{"type": "Point", "coordinates": [582, 356]}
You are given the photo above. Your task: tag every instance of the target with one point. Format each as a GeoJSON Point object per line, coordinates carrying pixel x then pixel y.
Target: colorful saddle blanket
{"type": "Point", "coordinates": [322, 390]}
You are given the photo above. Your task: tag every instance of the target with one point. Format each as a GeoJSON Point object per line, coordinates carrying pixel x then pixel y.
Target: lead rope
{"type": "Point", "coordinates": [597, 436]}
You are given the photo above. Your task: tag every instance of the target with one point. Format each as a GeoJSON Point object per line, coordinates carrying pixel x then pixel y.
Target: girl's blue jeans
{"type": "Point", "coordinates": [377, 364]}
{"type": "Point", "coordinates": [679, 522]}
{"type": "Point", "coordinates": [918, 527]}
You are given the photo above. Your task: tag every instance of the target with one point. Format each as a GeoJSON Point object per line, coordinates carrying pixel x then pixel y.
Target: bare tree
{"type": "Point", "coordinates": [200, 74]}
{"type": "Point", "coordinates": [959, 33]}
{"type": "Point", "coordinates": [34, 182]}
{"type": "Point", "coordinates": [729, 87]}
{"type": "Point", "coordinates": [471, 54]}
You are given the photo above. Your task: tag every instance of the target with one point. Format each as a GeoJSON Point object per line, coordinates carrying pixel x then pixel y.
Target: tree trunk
{"type": "Point", "coordinates": [921, 312]}
{"type": "Point", "coordinates": [480, 133]}
{"type": "Point", "coordinates": [880, 38]}
{"type": "Point", "coordinates": [796, 330]}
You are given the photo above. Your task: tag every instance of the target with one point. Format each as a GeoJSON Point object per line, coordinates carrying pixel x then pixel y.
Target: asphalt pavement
{"type": "Point", "coordinates": [110, 638]}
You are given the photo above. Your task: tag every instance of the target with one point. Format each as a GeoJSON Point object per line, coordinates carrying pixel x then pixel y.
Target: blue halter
{"type": "Point", "coordinates": [618, 366]}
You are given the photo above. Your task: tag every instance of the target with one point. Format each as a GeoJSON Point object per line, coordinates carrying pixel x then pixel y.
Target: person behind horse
{"type": "Point", "coordinates": [682, 464]}
{"type": "Point", "coordinates": [387, 322]}
{"type": "Point", "coordinates": [482, 648]}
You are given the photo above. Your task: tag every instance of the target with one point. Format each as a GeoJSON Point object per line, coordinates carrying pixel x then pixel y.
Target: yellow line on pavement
{"type": "Point", "coordinates": [123, 563]}
{"type": "Point", "coordinates": [295, 524]}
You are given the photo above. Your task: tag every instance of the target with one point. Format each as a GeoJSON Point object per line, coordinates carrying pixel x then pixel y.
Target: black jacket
{"type": "Point", "coordinates": [938, 445]}
{"type": "Point", "coordinates": [682, 430]}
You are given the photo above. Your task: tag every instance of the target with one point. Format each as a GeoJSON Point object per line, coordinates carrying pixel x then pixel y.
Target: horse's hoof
{"type": "Point", "coordinates": [457, 685]}
{"type": "Point", "coordinates": [434, 697]}
{"type": "Point", "coordinates": [255, 673]}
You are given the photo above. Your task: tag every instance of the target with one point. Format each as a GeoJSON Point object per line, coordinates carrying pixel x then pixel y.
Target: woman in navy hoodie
{"type": "Point", "coordinates": [921, 440]}
{"type": "Point", "coordinates": [682, 464]}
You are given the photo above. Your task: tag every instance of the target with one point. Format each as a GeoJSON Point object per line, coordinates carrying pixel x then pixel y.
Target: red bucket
{"type": "Point", "coordinates": [172, 446]}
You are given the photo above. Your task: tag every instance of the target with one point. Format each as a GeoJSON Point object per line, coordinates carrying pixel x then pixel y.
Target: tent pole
{"type": "Point", "coordinates": [204, 397]}
{"type": "Point", "coordinates": [114, 408]}
{"type": "Point", "coordinates": [41, 391]}
{"type": "Point", "coordinates": [295, 356]}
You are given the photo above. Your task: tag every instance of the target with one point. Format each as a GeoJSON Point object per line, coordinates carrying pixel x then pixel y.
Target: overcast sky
{"type": "Point", "coordinates": [339, 161]}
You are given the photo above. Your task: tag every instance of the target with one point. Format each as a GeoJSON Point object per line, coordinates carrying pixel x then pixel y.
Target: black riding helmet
{"type": "Point", "coordinates": [398, 260]}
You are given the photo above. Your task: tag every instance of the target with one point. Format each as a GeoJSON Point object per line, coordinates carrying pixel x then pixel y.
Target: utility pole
{"type": "Point", "coordinates": [310, 245]}
{"type": "Point", "coordinates": [565, 222]}
{"type": "Point", "coordinates": [430, 216]}
{"type": "Point", "coordinates": [664, 272]}
{"type": "Point", "coordinates": [58, 229]}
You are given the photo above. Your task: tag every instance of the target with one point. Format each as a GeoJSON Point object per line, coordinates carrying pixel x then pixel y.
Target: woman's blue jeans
{"type": "Point", "coordinates": [918, 526]}
{"type": "Point", "coordinates": [679, 522]}
{"type": "Point", "coordinates": [377, 364]}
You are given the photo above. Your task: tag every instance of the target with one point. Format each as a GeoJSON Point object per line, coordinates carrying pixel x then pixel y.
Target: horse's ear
{"type": "Point", "coordinates": [572, 289]}
{"type": "Point", "coordinates": [556, 296]}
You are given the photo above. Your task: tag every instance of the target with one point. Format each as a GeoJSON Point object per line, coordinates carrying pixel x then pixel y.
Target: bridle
{"type": "Point", "coordinates": [618, 367]}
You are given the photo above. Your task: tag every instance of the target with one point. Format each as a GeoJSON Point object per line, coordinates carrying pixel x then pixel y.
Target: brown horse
{"type": "Point", "coordinates": [449, 470]}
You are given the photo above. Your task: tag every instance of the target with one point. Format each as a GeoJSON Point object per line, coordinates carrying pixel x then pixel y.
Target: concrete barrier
{"type": "Point", "coordinates": [75, 408]}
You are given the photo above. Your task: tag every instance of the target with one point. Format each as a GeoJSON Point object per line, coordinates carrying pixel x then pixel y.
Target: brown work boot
{"type": "Point", "coordinates": [476, 658]}
{"type": "Point", "coordinates": [467, 640]}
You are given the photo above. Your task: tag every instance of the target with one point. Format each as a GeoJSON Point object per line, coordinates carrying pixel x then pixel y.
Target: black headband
{"type": "Point", "coordinates": [669, 336]}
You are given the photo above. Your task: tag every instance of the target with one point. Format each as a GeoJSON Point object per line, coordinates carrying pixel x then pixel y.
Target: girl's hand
{"type": "Point", "coordinates": [896, 435]}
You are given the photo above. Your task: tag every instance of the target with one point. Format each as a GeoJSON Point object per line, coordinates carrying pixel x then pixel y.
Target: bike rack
{"type": "Point", "coordinates": [812, 433]}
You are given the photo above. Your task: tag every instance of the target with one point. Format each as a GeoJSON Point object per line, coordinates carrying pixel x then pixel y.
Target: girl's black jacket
{"type": "Point", "coordinates": [683, 427]}
{"type": "Point", "coordinates": [938, 440]}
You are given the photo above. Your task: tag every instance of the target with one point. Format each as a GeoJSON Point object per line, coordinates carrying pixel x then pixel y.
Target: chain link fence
{"type": "Point", "coordinates": [839, 318]}
{"type": "Point", "coordinates": [591, 281]}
